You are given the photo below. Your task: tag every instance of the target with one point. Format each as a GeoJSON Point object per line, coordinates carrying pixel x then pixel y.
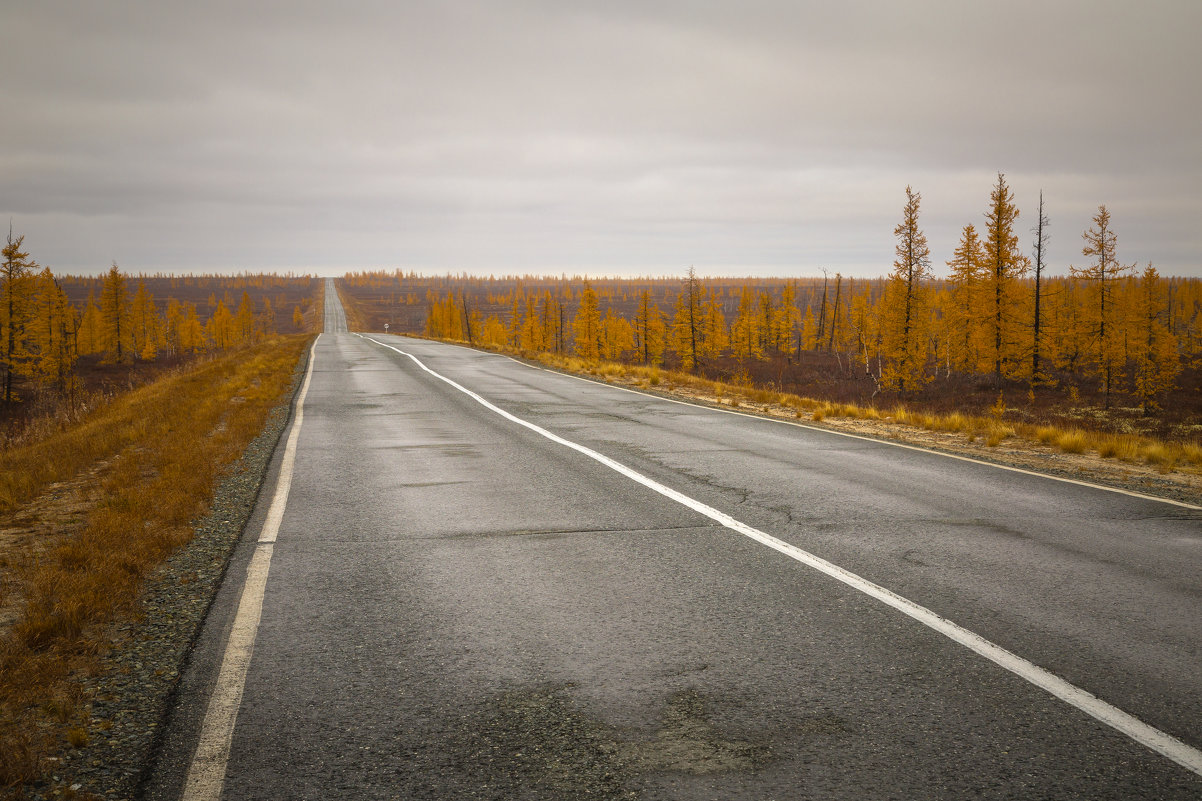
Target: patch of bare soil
{"type": "Point", "coordinates": [37, 528]}
{"type": "Point", "coordinates": [1179, 485]}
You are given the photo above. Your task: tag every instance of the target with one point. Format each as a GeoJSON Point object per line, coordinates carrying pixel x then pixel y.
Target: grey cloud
{"type": "Point", "coordinates": [640, 136]}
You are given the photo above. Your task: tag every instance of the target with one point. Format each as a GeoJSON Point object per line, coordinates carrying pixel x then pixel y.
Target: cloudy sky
{"type": "Point", "coordinates": [618, 137]}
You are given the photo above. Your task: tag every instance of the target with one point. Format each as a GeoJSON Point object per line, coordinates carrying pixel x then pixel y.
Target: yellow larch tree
{"type": "Point", "coordinates": [493, 332]}
{"type": "Point", "coordinates": [586, 328]}
{"type": "Point", "coordinates": [530, 334]}
{"type": "Point", "coordinates": [245, 330]}
{"type": "Point", "coordinates": [714, 339]}
{"type": "Point", "coordinates": [116, 335]}
{"type": "Point", "coordinates": [648, 329]}
{"type": "Point", "coordinates": [767, 323]}
{"type": "Point", "coordinates": [1102, 278]}
{"type": "Point", "coordinates": [860, 334]}
{"type": "Point", "coordinates": [144, 323]}
{"type": "Point", "coordinates": [551, 320]}
{"type": "Point", "coordinates": [16, 273]}
{"type": "Point", "coordinates": [53, 327]}
{"type": "Point", "coordinates": [1157, 361]}
{"type": "Point", "coordinates": [905, 315]}
{"type": "Point", "coordinates": [745, 342]}
{"type": "Point", "coordinates": [789, 318]}
{"type": "Point", "coordinates": [809, 331]}
{"type": "Point", "coordinates": [1004, 267]}
{"type": "Point", "coordinates": [192, 332]}
{"type": "Point", "coordinates": [617, 335]}
{"type": "Point", "coordinates": [687, 339]}
{"type": "Point", "coordinates": [88, 338]}
{"type": "Point", "coordinates": [963, 311]}
{"type": "Point", "coordinates": [267, 317]}
{"type": "Point", "coordinates": [220, 327]}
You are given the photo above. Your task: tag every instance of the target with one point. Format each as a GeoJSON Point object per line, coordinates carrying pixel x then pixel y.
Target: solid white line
{"type": "Point", "coordinates": [206, 774]}
{"type": "Point", "coordinates": [849, 435]}
{"type": "Point", "coordinates": [1158, 741]}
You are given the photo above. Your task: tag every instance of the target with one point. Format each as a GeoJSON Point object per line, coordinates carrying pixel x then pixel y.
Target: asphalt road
{"type": "Point", "coordinates": [460, 607]}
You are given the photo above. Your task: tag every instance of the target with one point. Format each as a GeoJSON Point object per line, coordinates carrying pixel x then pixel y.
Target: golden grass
{"type": "Point", "coordinates": [1072, 441]}
{"type": "Point", "coordinates": [997, 432]}
{"type": "Point", "coordinates": [166, 444]}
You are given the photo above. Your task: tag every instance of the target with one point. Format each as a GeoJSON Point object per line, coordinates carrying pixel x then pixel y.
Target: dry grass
{"type": "Point", "coordinates": [990, 429]}
{"type": "Point", "coordinates": [1073, 440]}
{"type": "Point", "coordinates": [355, 318]}
{"type": "Point", "coordinates": [166, 444]}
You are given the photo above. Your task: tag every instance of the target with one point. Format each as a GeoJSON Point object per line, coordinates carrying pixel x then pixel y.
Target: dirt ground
{"type": "Point", "coordinates": [45, 523]}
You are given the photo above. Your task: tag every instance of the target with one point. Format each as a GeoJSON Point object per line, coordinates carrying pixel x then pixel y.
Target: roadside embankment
{"type": "Point", "coordinates": [110, 559]}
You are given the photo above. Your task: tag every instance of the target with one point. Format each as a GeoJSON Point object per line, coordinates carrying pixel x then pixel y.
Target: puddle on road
{"type": "Point", "coordinates": [540, 744]}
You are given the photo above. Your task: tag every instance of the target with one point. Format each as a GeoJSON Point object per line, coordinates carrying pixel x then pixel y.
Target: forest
{"type": "Point", "coordinates": [1111, 344]}
{"type": "Point", "coordinates": [67, 340]}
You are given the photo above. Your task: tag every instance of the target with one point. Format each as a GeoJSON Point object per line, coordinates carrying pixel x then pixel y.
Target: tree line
{"type": "Point", "coordinates": [997, 316]}
{"type": "Point", "coordinates": [44, 334]}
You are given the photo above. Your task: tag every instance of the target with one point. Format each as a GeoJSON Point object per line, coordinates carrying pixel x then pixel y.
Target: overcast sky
{"type": "Point", "coordinates": [617, 137]}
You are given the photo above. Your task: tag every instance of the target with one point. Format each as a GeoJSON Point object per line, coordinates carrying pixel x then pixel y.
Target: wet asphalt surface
{"type": "Point", "coordinates": [460, 608]}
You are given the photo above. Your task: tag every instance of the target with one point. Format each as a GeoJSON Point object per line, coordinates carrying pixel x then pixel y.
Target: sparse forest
{"type": "Point", "coordinates": [1105, 343]}
{"type": "Point", "coordinates": [68, 338]}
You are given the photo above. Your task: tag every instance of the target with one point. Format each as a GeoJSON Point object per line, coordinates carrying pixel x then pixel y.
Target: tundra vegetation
{"type": "Point", "coordinates": [121, 413]}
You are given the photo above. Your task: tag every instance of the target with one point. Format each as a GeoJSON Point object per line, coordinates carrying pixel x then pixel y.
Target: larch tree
{"type": "Point", "coordinates": [220, 327]}
{"type": "Point", "coordinates": [16, 274]}
{"type": "Point", "coordinates": [192, 333]}
{"type": "Point", "coordinates": [906, 313]}
{"type": "Point", "coordinates": [586, 328]}
{"type": "Point", "coordinates": [52, 327]}
{"type": "Point", "coordinates": [862, 333]}
{"type": "Point", "coordinates": [789, 319]}
{"type": "Point", "coordinates": [648, 329]}
{"type": "Point", "coordinates": [551, 320]}
{"type": "Point", "coordinates": [745, 340]}
{"type": "Point", "coordinates": [145, 323]}
{"type": "Point", "coordinates": [244, 320]}
{"type": "Point", "coordinates": [89, 337]}
{"type": "Point", "coordinates": [686, 322]}
{"type": "Point", "coordinates": [1005, 266]}
{"type": "Point", "coordinates": [116, 334]}
{"type": "Point", "coordinates": [767, 320]}
{"type": "Point", "coordinates": [268, 316]}
{"type": "Point", "coordinates": [617, 335]}
{"type": "Point", "coordinates": [963, 314]}
{"type": "Point", "coordinates": [714, 337]}
{"type": "Point", "coordinates": [530, 334]}
{"type": "Point", "coordinates": [1102, 276]}
{"type": "Point", "coordinates": [1157, 361]}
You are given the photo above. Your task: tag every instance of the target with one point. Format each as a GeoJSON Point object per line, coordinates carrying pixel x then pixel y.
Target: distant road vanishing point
{"type": "Point", "coordinates": [468, 577]}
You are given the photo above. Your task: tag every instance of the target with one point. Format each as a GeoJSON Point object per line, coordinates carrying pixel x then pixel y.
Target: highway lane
{"type": "Point", "coordinates": [458, 607]}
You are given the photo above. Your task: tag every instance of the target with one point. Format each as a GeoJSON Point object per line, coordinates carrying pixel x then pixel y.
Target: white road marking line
{"type": "Point", "coordinates": [206, 774]}
{"type": "Point", "coordinates": [875, 440]}
{"type": "Point", "coordinates": [836, 432]}
{"type": "Point", "coordinates": [1158, 741]}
